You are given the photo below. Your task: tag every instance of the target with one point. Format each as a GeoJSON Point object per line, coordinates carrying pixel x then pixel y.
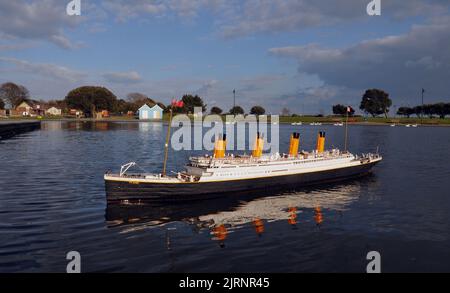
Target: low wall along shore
{"type": "Point", "coordinates": [9, 129]}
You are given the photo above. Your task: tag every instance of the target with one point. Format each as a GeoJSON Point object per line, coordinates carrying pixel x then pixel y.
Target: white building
{"type": "Point", "coordinates": [155, 112]}
{"type": "Point", "coordinates": [53, 111]}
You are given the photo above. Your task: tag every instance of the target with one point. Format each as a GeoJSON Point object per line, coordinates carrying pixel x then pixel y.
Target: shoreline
{"type": "Point", "coordinates": [322, 120]}
{"type": "Point", "coordinates": [9, 129]}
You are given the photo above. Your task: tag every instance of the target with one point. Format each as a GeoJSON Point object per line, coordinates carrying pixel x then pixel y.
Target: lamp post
{"type": "Point", "coordinates": [421, 114]}
{"type": "Point", "coordinates": [234, 99]}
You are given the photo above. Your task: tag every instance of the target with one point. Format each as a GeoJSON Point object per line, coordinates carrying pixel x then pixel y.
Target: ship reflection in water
{"type": "Point", "coordinates": [221, 217]}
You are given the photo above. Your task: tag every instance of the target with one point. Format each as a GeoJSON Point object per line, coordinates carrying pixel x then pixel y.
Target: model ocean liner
{"type": "Point", "coordinates": [210, 176]}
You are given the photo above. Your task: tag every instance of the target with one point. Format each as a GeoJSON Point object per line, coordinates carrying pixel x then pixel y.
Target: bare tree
{"type": "Point", "coordinates": [138, 97]}
{"type": "Point", "coordinates": [285, 112]}
{"type": "Point", "coordinates": [137, 100]}
{"type": "Point", "coordinates": [13, 94]}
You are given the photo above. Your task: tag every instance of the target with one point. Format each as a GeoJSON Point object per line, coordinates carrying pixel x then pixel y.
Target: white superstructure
{"type": "Point", "coordinates": [207, 168]}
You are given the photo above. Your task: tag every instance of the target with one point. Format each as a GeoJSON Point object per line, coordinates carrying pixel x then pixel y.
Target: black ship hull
{"type": "Point", "coordinates": [117, 191]}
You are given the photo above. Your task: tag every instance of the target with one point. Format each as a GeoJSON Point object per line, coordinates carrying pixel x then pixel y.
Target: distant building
{"type": "Point", "coordinates": [53, 111]}
{"type": "Point", "coordinates": [38, 109]}
{"type": "Point", "coordinates": [24, 109]}
{"type": "Point", "coordinates": [102, 114]}
{"type": "Point", "coordinates": [75, 112]}
{"type": "Point", "coordinates": [30, 108]}
{"type": "Point", "coordinates": [146, 112]}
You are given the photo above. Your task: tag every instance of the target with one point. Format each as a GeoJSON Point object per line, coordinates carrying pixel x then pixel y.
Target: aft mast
{"type": "Point", "coordinates": [175, 104]}
{"type": "Point", "coordinates": [348, 110]}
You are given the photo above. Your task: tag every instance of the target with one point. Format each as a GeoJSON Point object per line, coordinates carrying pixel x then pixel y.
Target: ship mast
{"type": "Point", "coordinates": [347, 110]}
{"type": "Point", "coordinates": [175, 104]}
{"type": "Point", "coordinates": [166, 146]}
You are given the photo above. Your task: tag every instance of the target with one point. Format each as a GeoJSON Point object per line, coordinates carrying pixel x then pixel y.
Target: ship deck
{"type": "Point", "coordinates": [247, 161]}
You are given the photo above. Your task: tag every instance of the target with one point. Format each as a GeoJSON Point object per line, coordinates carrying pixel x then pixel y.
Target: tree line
{"type": "Point", "coordinates": [430, 110]}
{"type": "Point", "coordinates": [87, 99]}
{"type": "Point", "coordinates": [377, 102]}
{"type": "Point", "coordinates": [91, 99]}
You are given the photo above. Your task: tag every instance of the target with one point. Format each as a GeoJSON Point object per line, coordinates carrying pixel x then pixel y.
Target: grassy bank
{"type": "Point", "coordinates": [282, 119]}
{"type": "Point", "coordinates": [368, 120]}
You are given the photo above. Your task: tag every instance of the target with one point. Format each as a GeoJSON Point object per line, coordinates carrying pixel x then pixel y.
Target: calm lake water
{"type": "Point", "coordinates": [52, 201]}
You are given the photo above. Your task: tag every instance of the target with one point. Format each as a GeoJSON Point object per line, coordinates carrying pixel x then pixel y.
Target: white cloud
{"type": "Point", "coordinates": [268, 16]}
{"type": "Point", "coordinates": [426, 63]}
{"type": "Point", "coordinates": [206, 88]}
{"type": "Point", "coordinates": [128, 9]}
{"type": "Point", "coordinates": [64, 42]}
{"type": "Point", "coordinates": [44, 69]}
{"type": "Point", "coordinates": [36, 20]}
{"type": "Point", "coordinates": [15, 46]}
{"type": "Point", "coordinates": [122, 77]}
{"type": "Point", "coordinates": [401, 64]}
{"type": "Point", "coordinates": [124, 10]}
{"type": "Point", "coordinates": [256, 83]}
{"type": "Point", "coordinates": [313, 51]}
{"type": "Point", "coordinates": [47, 20]}
{"type": "Point", "coordinates": [235, 18]}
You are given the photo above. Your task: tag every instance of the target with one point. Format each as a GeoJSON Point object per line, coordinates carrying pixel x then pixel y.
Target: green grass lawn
{"type": "Point", "coordinates": [379, 120]}
{"type": "Point", "coordinates": [282, 119]}
{"type": "Point", "coordinates": [412, 120]}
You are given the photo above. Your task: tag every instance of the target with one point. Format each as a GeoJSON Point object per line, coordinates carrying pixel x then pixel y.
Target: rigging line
{"type": "Point", "coordinates": [141, 168]}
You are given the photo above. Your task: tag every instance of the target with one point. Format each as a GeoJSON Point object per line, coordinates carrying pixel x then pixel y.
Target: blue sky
{"type": "Point", "coordinates": [304, 55]}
